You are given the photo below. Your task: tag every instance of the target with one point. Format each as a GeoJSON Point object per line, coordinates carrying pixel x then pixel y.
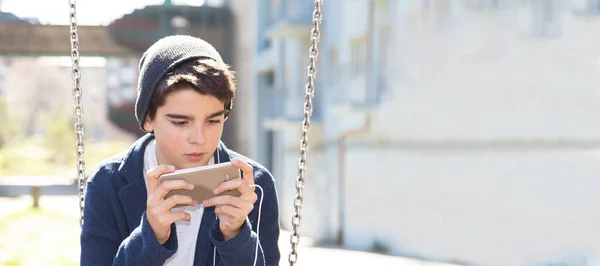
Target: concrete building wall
{"type": "Point", "coordinates": [484, 148]}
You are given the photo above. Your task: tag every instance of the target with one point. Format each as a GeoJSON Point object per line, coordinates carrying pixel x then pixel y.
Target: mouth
{"type": "Point", "coordinates": [195, 157]}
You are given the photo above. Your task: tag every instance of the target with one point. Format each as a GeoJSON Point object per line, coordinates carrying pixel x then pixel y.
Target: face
{"type": "Point", "coordinates": [187, 128]}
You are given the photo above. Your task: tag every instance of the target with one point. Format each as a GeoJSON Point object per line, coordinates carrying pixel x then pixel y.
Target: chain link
{"type": "Point", "coordinates": [77, 108]}
{"type": "Point", "coordinates": [309, 92]}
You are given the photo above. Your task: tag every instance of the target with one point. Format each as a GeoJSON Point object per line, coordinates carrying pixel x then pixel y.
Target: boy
{"type": "Point", "coordinates": [185, 93]}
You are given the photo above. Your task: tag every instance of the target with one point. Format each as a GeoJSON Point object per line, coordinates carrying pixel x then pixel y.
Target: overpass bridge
{"type": "Point", "coordinates": [127, 37]}
{"type": "Point", "coordinates": [53, 40]}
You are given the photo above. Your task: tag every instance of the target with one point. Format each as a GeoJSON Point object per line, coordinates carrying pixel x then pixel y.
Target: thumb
{"type": "Point", "coordinates": [155, 173]}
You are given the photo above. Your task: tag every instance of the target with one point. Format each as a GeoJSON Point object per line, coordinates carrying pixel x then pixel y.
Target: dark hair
{"type": "Point", "coordinates": [204, 76]}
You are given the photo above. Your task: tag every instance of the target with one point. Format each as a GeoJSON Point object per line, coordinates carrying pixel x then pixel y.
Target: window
{"type": "Point", "coordinates": [359, 55]}
{"type": "Point", "coordinates": [545, 14]}
{"type": "Point", "coordinates": [3, 66]}
{"type": "Point", "coordinates": [334, 66]}
{"type": "Point", "coordinates": [439, 14]}
{"type": "Point", "coordinates": [275, 8]}
{"type": "Point", "coordinates": [483, 5]}
{"type": "Point", "coordinates": [113, 80]}
{"type": "Point", "coordinates": [385, 35]}
{"type": "Point", "coordinates": [128, 93]}
{"type": "Point", "coordinates": [128, 75]}
{"type": "Point", "coordinates": [586, 7]}
{"type": "Point", "coordinates": [268, 79]}
{"type": "Point", "coordinates": [293, 8]}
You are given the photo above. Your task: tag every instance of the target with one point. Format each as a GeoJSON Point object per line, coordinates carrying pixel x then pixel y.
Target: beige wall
{"type": "Point", "coordinates": [484, 151]}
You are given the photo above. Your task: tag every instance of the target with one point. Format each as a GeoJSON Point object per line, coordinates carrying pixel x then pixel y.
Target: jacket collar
{"type": "Point", "coordinates": [132, 165]}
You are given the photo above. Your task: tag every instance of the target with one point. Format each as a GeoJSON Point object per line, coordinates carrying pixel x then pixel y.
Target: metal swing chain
{"type": "Point", "coordinates": [77, 109]}
{"type": "Point", "coordinates": [309, 92]}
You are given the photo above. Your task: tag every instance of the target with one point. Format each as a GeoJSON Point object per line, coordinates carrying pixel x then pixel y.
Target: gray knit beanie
{"type": "Point", "coordinates": [161, 58]}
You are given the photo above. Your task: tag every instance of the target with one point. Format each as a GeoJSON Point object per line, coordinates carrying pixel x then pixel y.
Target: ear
{"type": "Point", "coordinates": [148, 125]}
{"type": "Point", "coordinates": [226, 115]}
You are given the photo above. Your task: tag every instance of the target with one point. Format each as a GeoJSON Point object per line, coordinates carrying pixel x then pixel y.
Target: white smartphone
{"type": "Point", "coordinates": [205, 179]}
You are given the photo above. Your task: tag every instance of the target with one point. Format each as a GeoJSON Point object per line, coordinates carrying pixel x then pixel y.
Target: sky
{"type": "Point", "coordinates": [89, 12]}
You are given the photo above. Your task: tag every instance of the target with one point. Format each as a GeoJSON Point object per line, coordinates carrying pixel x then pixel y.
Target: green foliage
{"type": "Point", "coordinates": [50, 153]}
{"type": "Point", "coordinates": [9, 125]}
{"type": "Point", "coordinates": [32, 157]}
{"type": "Point", "coordinates": [52, 235]}
{"type": "Point", "coordinates": [59, 141]}
{"type": "Point", "coordinates": [379, 247]}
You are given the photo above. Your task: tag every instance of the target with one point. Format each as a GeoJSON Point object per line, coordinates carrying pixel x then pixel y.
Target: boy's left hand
{"type": "Point", "coordinates": [232, 211]}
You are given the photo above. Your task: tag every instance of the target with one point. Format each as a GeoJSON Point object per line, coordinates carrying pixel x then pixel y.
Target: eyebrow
{"type": "Point", "coordinates": [188, 117]}
{"type": "Point", "coordinates": [215, 114]}
{"type": "Point", "coordinates": [177, 116]}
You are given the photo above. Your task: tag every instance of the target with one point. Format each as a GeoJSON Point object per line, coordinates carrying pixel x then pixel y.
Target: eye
{"type": "Point", "coordinates": [179, 123]}
{"type": "Point", "coordinates": [214, 121]}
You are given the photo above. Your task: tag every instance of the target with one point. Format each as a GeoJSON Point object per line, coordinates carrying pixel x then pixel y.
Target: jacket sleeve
{"type": "Point", "coordinates": [241, 249]}
{"type": "Point", "coordinates": [101, 241]}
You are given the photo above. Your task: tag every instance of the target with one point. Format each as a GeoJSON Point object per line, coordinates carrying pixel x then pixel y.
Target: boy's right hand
{"type": "Point", "coordinates": [158, 209]}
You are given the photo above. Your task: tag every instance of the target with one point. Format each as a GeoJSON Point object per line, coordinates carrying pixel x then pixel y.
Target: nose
{"type": "Point", "coordinates": [197, 135]}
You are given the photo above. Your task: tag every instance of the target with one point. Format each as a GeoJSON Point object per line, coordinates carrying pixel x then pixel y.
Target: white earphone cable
{"type": "Point", "coordinates": [262, 195]}
{"type": "Point", "coordinates": [262, 192]}
{"type": "Point", "coordinates": [257, 229]}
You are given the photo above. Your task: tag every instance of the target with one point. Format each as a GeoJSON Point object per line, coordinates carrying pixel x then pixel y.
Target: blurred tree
{"type": "Point", "coordinates": [32, 90]}
{"type": "Point", "coordinates": [58, 138]}
{"type": "Point", "coordinates": [9, 128]}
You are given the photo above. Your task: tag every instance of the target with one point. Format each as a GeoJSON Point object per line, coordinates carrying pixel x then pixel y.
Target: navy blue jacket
{"type": "Point", "coordinates": [116, 230]}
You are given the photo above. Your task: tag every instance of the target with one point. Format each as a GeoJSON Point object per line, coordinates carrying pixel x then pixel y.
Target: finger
{"type": "Point", "coordinates": [247, 170]}
{"type": "Point", "coordinates": [176, 216]}
{"type": "Point", "coordinates": [228, 200]}
{"type": "Point", "coordinates": [175, 200]}
{"type": "Point", "coordinates": [237, 183]}
{"type": "Point", "coordinates": [155, 173]}
{"type": "Point", "coordinates": [236, 213]}
{"type": "Point", "coordinates": [159, 193]}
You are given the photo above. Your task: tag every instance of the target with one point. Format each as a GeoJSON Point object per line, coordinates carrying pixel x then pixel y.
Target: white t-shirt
{"type": "Point", "coordinates": [187, 232]}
